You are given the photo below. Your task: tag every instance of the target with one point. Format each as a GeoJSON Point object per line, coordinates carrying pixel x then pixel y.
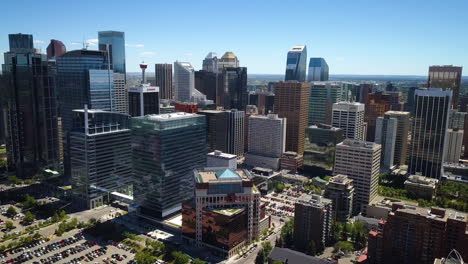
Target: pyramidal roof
{"type": "Point", "coordinates": [227, 174]}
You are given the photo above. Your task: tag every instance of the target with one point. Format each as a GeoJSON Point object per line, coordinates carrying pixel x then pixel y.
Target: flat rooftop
{"type": "Point", "coordinates": [169, 117]}
{"type": "Point", "coordinates": [228, 211]}
{"type": "Point", "coordinates": [219, 154]}
{"type": "Point", "coordinates": [220, 174]}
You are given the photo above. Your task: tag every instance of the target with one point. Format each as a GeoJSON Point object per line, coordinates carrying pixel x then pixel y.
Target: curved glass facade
{"type": "Point", "coordinates": [296, 64]}
{"type": "Point", "coordinates": [116, 42]}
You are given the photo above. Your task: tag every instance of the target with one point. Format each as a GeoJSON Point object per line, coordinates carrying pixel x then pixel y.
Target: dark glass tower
{"type": "Point", "coordinates": [84, 78]}
{"type": "Point", "coordinates": [234, 93]}
{"type": "Point", "coordinates": [100, 154]}
{"type": "Point", "coordinates": [296, 64]}
{"type": "Point", "coordinates": [31, 110]}
{"type": "Point", "coordinates": [166, 149]}
{"type": "Point", "coordinates": [430, 122]}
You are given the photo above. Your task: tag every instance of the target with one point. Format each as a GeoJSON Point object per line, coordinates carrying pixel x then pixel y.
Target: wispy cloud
{"type": "Point", "coordinates": [135, 45]}
{"type": "Point", "coordinates": [92, 42]}
{"type": "Point", "coordinates": [76, 43]}
{"type": "Point", "coordinates": [38, 41]}
{"type": "Point", "coordinates": [188, 54]}
{"type": "Point", "coordinates": [147, 53]}
{"type": "Point", "coordinates": [339, 58]}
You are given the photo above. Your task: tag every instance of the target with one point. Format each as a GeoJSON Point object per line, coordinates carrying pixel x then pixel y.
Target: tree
{"type": "Point", "coordinates": [28, 217]}
{"type": "Point", "coordinates": [11, 211]}
{"type": "Point", "coordinates": [13, 180]}
{"type": "Point", "coordinates": [29, 201]}
{"type": "Point", "coordinates": [260, 259]}
{"type": "Point", "coordinates": [144, 257]}
{"type": "Point", "coordinates": [198, 261]}
{"type": "Point", "coordinates": [179, 258]}
{"type": "Point", "coordinates": [267, 248]}
{"type": "Point", "coordinates": [9, 225]}
{"type": "Point", "coordinates": [279, 187]}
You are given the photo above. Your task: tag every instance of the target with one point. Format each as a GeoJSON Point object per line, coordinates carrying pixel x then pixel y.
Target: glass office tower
{"type": "Point", "coordinates": [296, 64]}
{"type": "Point", "coordinates": [429, 127]}
{"type": "Point", "coordinates": [29, 100]}
{"type": "Point", "coordinates": [84, 78]}
{"type": "Point", "coordinates": [166, 149]}
{"type": "Point", "coordinates": [100, 154]}
{"type": "Point", "coordinates": [115, 42]}
{"type": "Point", "coordinates": [318, 70]}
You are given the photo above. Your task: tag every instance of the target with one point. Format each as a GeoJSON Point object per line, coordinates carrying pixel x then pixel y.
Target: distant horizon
{"type": "Point", "coordinates": [363, 38]}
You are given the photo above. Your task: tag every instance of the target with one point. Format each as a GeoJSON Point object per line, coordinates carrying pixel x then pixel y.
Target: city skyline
{"type": "Point", "coordinates": [351, 44]}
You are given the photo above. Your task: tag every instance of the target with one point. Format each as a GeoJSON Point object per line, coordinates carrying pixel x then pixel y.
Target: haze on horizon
{"type": "Point", "coordinates": [355, 37]}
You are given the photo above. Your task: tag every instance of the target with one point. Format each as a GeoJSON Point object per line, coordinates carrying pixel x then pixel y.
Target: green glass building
{"type": "Point", "coordinates": [166, 148]}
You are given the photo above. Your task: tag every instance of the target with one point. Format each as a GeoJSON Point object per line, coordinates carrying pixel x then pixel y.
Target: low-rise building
{"type": "Point", "coordinates": [291, 161]}
{"type": "Point", "coordinates": [423, 187]}
{"type": "Point", "coordinates": [218, 159]}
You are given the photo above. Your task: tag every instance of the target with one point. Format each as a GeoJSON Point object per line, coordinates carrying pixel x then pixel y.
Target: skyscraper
{"type": "Point", "coordinates": [292, 103]}
{"type": "Point", "coordinates": [447, 77]}
{"type": "Point", "coordinates": [385, 135]}
{"type": "Point", "coordinates": [234, 90]}
{"type": "Point", "coordinates": [184, 78]}
{"type": "Point", "coordinates": [166, 149]}
{"type": "Point", "coordinates": [349, 117]}
{"type": "Point", "coordinates": [228, 60]}
{"type": "Point", "coordinates": [376, 105]}
{"type": "Point", "coordinates": [340, 190]}
{"type": "Point", "coordinates": [322, 97]}
{"type": "Point", "coordinates": [428, 131]}
{"type": "Point", "coordinates": [84, 78]}
{"type": "Point", "coordinates": [143, 99]}
{"type": "Point", "coordinates": [210, 63]}
{"type": "Point", "coordinates": [55, 49]}
{"type": "Point", "coordinates": [360, 161]}
{"type": "Point", "coordinates": [318, 70]}
{"type": "Point", "coordinates": [453, 145]}
{"type": "Point", "coordinates": [163, 80]}
{"type": "Point", "coordinates": [113, 42]}
{"type": "Point", "coordinates": [296, 64]}
{"type": "Point", "coordinates": [402, 132]}
{"type": "Point", "coordinates": [225, 130]}
{"type": "Point", "coordinates": [31, 109]}
{"type": "Point", "coordinates": [209, 83]}
{"type": "Point", "coordinates": [100, 154]}
{"type": "Point", "coordinates": [267, 139]}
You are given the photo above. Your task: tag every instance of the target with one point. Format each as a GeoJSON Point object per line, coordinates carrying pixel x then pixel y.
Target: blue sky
{"type": "Point", "coordinates": [355, 37]}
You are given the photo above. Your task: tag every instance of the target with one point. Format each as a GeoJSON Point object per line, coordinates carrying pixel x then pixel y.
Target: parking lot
{"type": "Point", "coordinates": [281, 204]}
{"type": "Point", "coordinates": [74, 247]}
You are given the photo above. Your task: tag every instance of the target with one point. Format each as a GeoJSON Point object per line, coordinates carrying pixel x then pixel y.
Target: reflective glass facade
{"type": "Point", "coordinates": [318, 70]}
{"type": "Point", "coordinates": [100, 155]}
{"type": "Point", "coordinates": [296, 64]}
{"type": "Point", "coordinates": [28, 95]}
{"type": "Point", "coordinates": [116, 42]}
{"type": "Point", "coordinates": [166, 148]}
{"type": "Point", "coordinates": [83, 78]}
